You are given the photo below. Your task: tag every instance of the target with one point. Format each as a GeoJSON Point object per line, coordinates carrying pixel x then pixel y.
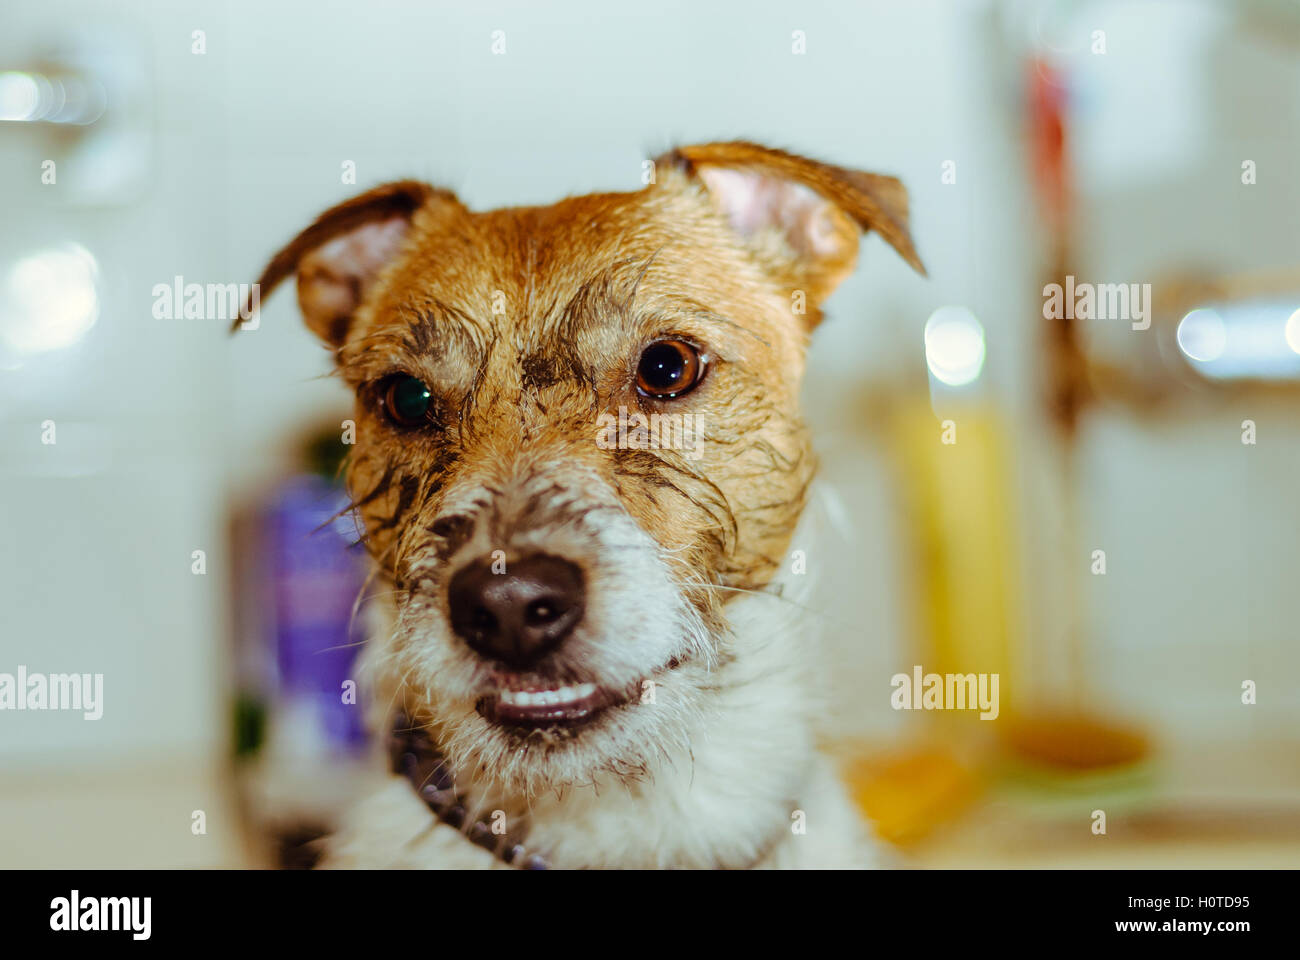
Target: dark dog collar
{"type": "Point", "coordinates": [416, 757]}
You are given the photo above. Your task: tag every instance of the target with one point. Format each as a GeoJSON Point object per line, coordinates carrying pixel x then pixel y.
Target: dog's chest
{"type": "Point", "coordinates": [393, 828]}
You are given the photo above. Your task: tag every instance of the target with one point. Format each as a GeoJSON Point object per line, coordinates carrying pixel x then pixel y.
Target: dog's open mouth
{"type": "Point", "coordinates": [534, 703]}
{"type": "Point", "coordinates": [569, 705]}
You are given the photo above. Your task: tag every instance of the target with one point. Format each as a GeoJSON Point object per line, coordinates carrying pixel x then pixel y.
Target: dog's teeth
{"type": "Point", "coordinates": [547, 698]}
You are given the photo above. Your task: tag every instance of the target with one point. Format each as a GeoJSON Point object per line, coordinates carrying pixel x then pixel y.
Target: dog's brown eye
{"type": "Point", "coordinates": [406, 400]}
{"type": "Point", "coordinates": [668, 369]}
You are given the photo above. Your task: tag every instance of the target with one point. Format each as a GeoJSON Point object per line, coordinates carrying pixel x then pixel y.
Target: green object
{"type": "Point", "coordinates": [1042, 792]}
{"type": "Point", "coordinates": [250, 726]}
{"type": "Point", "coordinates": [324, 452]}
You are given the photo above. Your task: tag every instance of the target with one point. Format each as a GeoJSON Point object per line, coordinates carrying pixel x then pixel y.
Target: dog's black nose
{"type": "Point", "coordinates": [519, 615]}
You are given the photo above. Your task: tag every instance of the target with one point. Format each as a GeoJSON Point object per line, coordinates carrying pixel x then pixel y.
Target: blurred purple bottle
{"type": "Point", "coordinates": [300, 744]}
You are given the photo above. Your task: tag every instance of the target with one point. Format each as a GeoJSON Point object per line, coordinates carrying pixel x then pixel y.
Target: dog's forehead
{"type": "Point", "coordinates": [536, 274]}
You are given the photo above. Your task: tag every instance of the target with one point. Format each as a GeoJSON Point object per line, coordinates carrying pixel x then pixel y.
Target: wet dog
{"type": "Point", "coordinates": [579, 468]}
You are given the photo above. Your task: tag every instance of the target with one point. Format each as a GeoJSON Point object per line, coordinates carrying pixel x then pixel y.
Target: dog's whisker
{"type": "Point", "coordinates": [343, 646]}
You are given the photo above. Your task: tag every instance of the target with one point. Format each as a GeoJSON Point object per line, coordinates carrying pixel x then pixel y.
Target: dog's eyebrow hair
{"type": "Point", "coordinates": [700, 312]}
{"type": "Point", "coordinates": [603, 283]}
{"type": "Point", "coordinates": [573, 318]}
{"type": "Point", "coordinates": [437, 323]}
{"type": "Point", "coordinates": [631, 297]}
{"type": "Point", "coordinates": [427, 327]}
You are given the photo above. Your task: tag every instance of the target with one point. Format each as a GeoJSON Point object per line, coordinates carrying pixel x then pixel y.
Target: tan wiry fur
{"type": "Point", "coordinates": [526, 325]}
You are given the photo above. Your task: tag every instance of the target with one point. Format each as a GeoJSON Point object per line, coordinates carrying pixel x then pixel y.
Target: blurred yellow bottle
{"type": "Point", "coordinates": [959, 534]}
{"type": "Point", "coordinates": [955, 481]}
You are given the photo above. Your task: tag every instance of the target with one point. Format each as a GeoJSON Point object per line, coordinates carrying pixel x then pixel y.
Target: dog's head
{"type": "Point", "coordinates": [577, 436]}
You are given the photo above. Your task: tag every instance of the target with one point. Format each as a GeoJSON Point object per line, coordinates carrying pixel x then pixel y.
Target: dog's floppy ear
{"type": "Point", "coordinates": [802, 216]}
{"type": "Point", "coordinates": [343, 251]}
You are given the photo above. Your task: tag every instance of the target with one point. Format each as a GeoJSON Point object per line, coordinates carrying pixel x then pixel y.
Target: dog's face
{"type": "Point", "coordinates": [577, 437]}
